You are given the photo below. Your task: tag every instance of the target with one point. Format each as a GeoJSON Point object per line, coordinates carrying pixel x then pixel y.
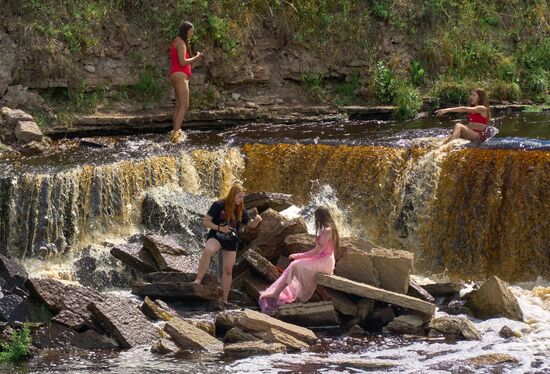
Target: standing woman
{"type": "Point", "coordinates": [224, 219]}
{"type": "Point", "coordinates": [298, 281]}
{"type": "Point", "coordinates": [479, 114]}
{"type": "Point", "coordinates": [180, 72]}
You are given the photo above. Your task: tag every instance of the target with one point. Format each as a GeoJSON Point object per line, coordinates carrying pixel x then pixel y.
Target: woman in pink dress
{"type": "Point", "coordinates": [298, 280]}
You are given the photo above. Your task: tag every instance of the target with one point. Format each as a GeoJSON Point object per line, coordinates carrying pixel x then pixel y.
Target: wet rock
{"type": "Point", "coordinates": [250, 320]}
{"type": "Point", "coordinates": [457, 327]}
{"type": "Point", "coordinates": [493, 300]}
{"type": "Point", "coordinates": [135, 256]}
{"type": "Point", "coordinates": [70, 319]}
{"type": "Point", "coordinates": [265, 200]}
{"type": "Point", "coordinates": [365, 307]}
{"type": "Point", "coordinates": [270, 245]}
{"type": "Point", "coordinates": [357, 265]}
{"type": "Point", "coordinates": [355, 330]}
{"type": "Point", "coordinates": [190, 337]}
{"type": "Point", "coordinates": [261, 266]}
{"type": "Point", "coordinates": [59, 336]}
{"type": "Point", "coordinates": [491, 359]}
{"type": "Point", "coordinates": [254, 286]}
{"type": "Point", "coordinates": [155, 311]}
{"type": "Point", "coordinates": [84, 270]}
{"type": "Point", "coordinates": [13, 116]}
{"type": "Point", "coordinates": [271, 220]}
{"type": "Point", "coordinates": [168, 255]}
{"type": "Point", "coordinates": [169, 211]}
{"type": "Point", "coordinates": [123, 321]}
{"type": "Point", "coordinates": [13, 308]}
{"type": "Point", "coordinates": [13, 273]}
{"type": "Point", "coordinates": [33, 148]}
{"type": "Point", "coordinates": [342, 303]}
{"type": "Point", "coordinates": [253, 348]}
{"type": "Point", "coordinates": [28, 131]}
{"type": "Point", "coordinates": [454, 308]}
{"type": "Point", "coordinates": [164, 346]}
{"type": "Point", "coordinates": [58, 296]}
{"type": "Point", "coordinates": [235, 334]}
{"type": "Point", "coordinates": [418, 291]}
{"type": "Point", "coordinates": [206, 325]}
{"type": "Point", "coordinates": [406, 324]}
{"type": "Point", "coordinates": [507, 333]}
{"type": "Point", "coordinates": [177, 277]}
{"type": "Point", "coordinates": [379, 318]}
{"type": "Point", "coordinates": [277, 336]}
{"type": "Point", "coordinates": [240, 298]}
{"type": "Point", "coordinates": [308, 314]}
{"type": "Point", "coordinates": [91, 339]}
{"type": "Point", "coordinates": [177, 291]}
{"type": "Point", "coordinates": [443, 289]}
{"type": "Point", "coordinates": [393, 267]}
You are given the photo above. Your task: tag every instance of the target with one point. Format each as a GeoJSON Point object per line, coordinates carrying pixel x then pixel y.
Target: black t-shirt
{"type": "Point", "coordinates": [217, 212]}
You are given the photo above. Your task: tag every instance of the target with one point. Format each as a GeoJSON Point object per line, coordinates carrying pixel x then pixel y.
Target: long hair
{"type": "Point", "coordinates": [483, 100]}
{"type": "Point", "coordinates": [324, 219]}
{"type": "Point", "coordinates": [184, 28]}
{"type": "Point", "coordinates": [230, 204]}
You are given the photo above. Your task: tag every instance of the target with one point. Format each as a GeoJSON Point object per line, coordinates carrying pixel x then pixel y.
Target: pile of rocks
{"type": "Point", "coordinates": [20, 131]}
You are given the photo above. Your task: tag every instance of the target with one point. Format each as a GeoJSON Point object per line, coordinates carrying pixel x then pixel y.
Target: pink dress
{"type": "Point", "coordinates": [300, 275]}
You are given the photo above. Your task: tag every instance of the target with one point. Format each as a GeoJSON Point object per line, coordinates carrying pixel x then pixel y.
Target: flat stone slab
{"type": "Point", "coordinates": [164, 346]}
{"type": "Point", "coordinates": [458, 327]}
{"type": "Point", "coordinates": [178, 277]}
{"type": "Point", "coordinates": [250, 320]}
{"type": "Point", "coordinates": [155, 311]}
{"type": "Point", "coordinates": [261, 265]}
{"type": "Point", "coordinates": [416, 290]}
{"type": "Point", "coordinates": [371, 292]}
{"type": "Point", "coordinates": [443, 289]}
{"type": "Point", "coordinates": [235, 334]}
{"type": "Point", "coordinates": [342, 303]}
{"type": "Point", "coordinates": [135, 256]}
{"type": "Point", "coordinates": [253, 348]}
{"type": "Point", "coordinates": [253, 286]}
{"type": "Point", "coordinates": [190, 337]}
{"type": "Point", "coordinates": [168, 255]}
{"type": "Point", "coordinates": [70, 319]}
{"type": "Point", "coordinates": [308, 314]}
{"type": "Point", "coordinates": [277, 336]}
{"type": "Point", "coordinates": [123, 320]}
{"type": "Point", "coordinates": [177, 291]}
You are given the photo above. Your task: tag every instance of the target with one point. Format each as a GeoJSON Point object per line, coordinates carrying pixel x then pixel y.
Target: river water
{"type": "Point", "coordinates": [467, 211]}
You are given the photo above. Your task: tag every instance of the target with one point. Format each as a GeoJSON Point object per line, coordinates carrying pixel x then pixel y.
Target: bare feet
{"type": "Point", "coordinates": [197, 281]}
{"type": "Point", "coordinates": [177, 136]}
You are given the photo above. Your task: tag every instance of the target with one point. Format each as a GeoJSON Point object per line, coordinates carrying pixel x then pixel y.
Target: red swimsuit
{"type": "Point", "coordinates": [478, 118]}
{"type": "Point", "coordinates": [175, 65]}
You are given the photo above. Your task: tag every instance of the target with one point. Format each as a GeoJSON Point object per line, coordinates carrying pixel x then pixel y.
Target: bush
{"type": "Point", "coordinates": [150, 86]}
{"type": "Point", "coordinates": [408, 102]}
{"type": "Point", "coordinates": [381, 9]}
{"type": "Point", "coordinates": [450, 91]}
{"type": "Point", "coordinates": [384, 83]}
{"type": "Point", "coordinates": [506, 70]}
{"type": "Point", "coordinates": [18, 349]}
{"type": "Point", "coordinates": [346, 91]}
{"type": "Point", "coordinates": [418, 75]}
{"type": "Point", "coordinates": [312, 83]}
{"type": "Point", "coordinates": [505, 91]}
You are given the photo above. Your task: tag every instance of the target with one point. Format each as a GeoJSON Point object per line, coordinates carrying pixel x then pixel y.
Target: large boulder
{"type": "Point", "coordinates": [123, 320]}
{"type": "Point", "coordinates": [13, 308]}
{"type": "Point", "coordinates": [267, 200]}
{"type": "Point", "coordinates": [12, 272]}
{"type": "Point", "coordinates": [270, 245]}
{"type": "Point", "coordinates": [261, 266]}
{"type": "Point", "coordinates": [135, 256]}
{"type": "Point", "coordinates": [357, 265]}
{"type": "Point", "coordinates": [28, 131]}
{"type": "Point", "coordinates": [406, 324]}
{"type": "Point", "coordinates": [169, 255]}
{"type": "Point", "coordinates": [271, 220]}
{"type": "Point", "coordinates": [309, 314]}
{"type": "Point", "coordinates": [493, 300]}
{"type": "Point", "coordinates": [393, 267]}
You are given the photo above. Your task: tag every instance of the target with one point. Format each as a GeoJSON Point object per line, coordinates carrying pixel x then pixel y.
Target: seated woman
{"type": "Point", "coordinates": [298, 280]}
{"type": "Point", "coordinates": [478, 118]}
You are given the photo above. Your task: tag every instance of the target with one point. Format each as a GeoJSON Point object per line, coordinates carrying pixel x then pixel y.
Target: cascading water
{"type": "Point", "coordinates": [69, 208]}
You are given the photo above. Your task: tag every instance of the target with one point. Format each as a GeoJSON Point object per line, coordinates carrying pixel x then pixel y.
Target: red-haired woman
{"type": "Point", "coordinates": [478, 118]}
{"type": "Point", "coordinates": [224, 219]}
{"type": "Point", "coordinates": [180, 72]}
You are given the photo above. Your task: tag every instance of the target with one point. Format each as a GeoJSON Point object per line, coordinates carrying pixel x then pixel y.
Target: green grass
{"type": "Point", "coordinates": [346, 92]}
{"type": "Point", "coordinates": [18, 349]}
{"type": "Point", "coordinates": [312, 81]}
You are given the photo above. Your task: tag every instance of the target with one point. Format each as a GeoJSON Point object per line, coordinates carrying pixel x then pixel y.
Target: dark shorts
{"type": "Point", "coordinates": [227, 244]}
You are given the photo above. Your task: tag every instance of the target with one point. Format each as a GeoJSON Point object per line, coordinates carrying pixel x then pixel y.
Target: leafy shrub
{"type": "Point", "coordinates": [502, 90]}
{"type": "Point", "coordinates": [18, 349]}
{"type": "Point", "coordinates": [312, 81]}
{"type": "Point", "coordinates": [408, 102]}
{"type": "Point", "coordinates": [384, 83]}
{"type": "Point", "coordinates": [418, 75]}
{"type": "Point", "coordinates": [450, 91]}
{"type": "Point", "coordinates": [506, 70]}
{"type": "Point", "coordinates": [347, 91]}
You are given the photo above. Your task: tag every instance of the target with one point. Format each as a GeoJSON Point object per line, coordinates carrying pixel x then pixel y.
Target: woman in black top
{"type": "Point", "coordinates": [224, 219]}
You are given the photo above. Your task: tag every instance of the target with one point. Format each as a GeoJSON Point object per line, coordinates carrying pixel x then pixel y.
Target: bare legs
{"type": "Point", "coordinates": [211, 248]}
{"type": "Point", "coordinates": [180, 82]}
{"type": "Point", "coordinates": [461, 131]}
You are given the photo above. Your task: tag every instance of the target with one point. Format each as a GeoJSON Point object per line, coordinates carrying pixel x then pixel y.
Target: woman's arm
{"type": "Point", "coordinates": [181, 49]}
{"type": "Point", "coordinates": [207, 222]}
{"type": "Point", "coordinates": [255, 222]}
{"type": "Point", "coordinates": [463, 109]}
